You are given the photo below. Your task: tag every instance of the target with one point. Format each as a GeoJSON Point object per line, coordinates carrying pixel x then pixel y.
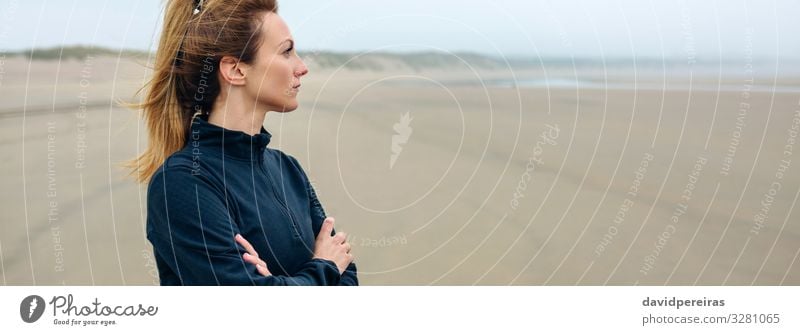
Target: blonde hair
{"type": "Point", "coordinates": [195, 36]}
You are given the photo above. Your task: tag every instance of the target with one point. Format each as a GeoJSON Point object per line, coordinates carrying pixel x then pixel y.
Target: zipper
{"type": "Point", "coordinates": [283, 205]}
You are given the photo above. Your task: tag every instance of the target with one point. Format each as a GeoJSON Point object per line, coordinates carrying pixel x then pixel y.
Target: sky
{"type": "Point", "coordinates": [671, 29]}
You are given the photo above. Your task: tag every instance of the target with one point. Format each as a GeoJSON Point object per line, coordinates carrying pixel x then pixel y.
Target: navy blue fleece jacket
{"type": "Point", "coordinates": [226, 182]}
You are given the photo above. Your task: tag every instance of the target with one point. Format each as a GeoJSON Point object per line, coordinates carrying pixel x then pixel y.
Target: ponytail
{"type": "Point", "coordinates": [195, 35]}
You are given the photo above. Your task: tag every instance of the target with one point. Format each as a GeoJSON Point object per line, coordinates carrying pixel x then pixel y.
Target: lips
{"type": "Point", "coordinates": [296, 87]}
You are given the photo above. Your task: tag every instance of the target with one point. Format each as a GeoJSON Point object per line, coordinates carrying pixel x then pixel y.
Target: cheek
{"type": "Point", "coordinates": [272, 85]}
{"type": "Point", "coordinates": [260, 84]}
{"type": "Point", "coordinates": [276, 77]}
{"type": "Point", "coordinates": [282, 79]}
{"type": "Point", "coordinates": [283, 74]}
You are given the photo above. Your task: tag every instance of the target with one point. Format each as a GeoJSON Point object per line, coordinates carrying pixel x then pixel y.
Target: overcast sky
{"type": "Point", "coordinates": [704, 29]}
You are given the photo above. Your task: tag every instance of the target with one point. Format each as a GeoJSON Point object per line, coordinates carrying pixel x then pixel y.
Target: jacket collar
{"type": "Point", "coordinates": [231, 143]}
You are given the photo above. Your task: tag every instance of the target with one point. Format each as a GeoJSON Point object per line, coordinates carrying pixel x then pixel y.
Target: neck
{"type": "Point", "coordinates": [235, 114]}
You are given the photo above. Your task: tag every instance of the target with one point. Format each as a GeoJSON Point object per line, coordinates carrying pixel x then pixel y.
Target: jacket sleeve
{"type": "Point", "coordinates": [190, 227]}
{"type": "Point", "coordinates": [350, 276]}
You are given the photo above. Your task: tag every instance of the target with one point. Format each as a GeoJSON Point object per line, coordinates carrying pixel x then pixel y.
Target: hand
{"type": "Point", "coordinates": [251, 256]}
{"type": "Point", "coordinates": [334, 248]}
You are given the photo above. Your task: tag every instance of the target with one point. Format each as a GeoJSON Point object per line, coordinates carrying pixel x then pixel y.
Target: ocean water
{"type": "Point", "coordinates": [572, 83]}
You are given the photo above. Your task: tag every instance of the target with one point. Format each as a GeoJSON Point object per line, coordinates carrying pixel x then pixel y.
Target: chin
{"type": "Point", "coordinates": [289, 106]}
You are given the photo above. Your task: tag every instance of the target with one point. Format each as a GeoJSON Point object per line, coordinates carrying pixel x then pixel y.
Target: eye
{"type": "Point", "coordinates": [288, 51]}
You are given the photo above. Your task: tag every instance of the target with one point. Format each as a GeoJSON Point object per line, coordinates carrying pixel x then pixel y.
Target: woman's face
{"type": "Point", "coordinates": [274, 76]}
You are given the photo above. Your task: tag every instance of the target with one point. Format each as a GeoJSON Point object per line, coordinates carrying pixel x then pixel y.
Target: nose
{"type": "Point", "coordinates": [301, 70]}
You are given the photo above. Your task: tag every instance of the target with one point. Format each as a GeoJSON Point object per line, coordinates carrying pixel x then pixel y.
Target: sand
{"type": "Point", "coordinates": [635, 187]}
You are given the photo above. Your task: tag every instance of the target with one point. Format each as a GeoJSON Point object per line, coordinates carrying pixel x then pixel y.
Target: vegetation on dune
{"type": "Point", "coordinates": [78, 52]}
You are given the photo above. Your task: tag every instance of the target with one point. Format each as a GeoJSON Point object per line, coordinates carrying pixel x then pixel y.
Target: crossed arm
{"type": "Point", "coordinates": [184, 206]}
{"type": "Point", "coordinates": [329, 246]}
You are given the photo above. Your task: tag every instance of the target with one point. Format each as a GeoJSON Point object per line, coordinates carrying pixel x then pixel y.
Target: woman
{"type": "Point", "coordinates": [222, 207]}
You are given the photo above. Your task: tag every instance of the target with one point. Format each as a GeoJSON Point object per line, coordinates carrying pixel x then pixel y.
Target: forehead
{"type": "Point", "coordinates": [274, 30]}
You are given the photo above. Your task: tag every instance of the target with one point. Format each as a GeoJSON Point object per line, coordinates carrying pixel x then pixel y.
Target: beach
{"type": "Point", "coordinates": [458, 176]}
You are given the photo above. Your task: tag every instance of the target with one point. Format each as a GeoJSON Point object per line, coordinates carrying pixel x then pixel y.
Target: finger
{"type": "Point", "coordinates": [258, 262]}
{"type": "Point", "coordinates": [247, 246]}
{"type": "Point", "coordinates": [347, 247]}
{"type": "Point", "coordinates": [340, 237]}
{"type": "Point", "coordinates": [252, 259]}
{"type": "Point", "coordinates": [262, 269]}
{"type": "Point", "coordinates": [327, 227]}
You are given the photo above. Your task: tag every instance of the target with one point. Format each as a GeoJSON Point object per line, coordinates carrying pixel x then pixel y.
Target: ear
{"type": "Point", "coordinates": [232, 70]}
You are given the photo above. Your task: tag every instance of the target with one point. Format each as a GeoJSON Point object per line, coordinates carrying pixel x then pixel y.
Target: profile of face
{"type": "Point", "coordinates": [272, 79]}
